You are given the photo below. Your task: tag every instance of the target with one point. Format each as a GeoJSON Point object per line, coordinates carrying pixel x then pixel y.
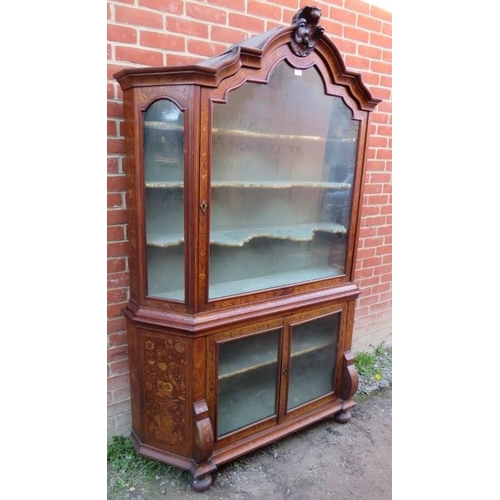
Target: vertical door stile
{"type": "Point", "coordinates": [284, 369]}
{"type": "Point", "coordinates": [202, 201]}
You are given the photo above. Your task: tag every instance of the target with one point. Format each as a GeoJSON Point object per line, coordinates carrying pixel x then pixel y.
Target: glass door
{"type": "Point", "coordinates": [312, 361]}
{"type": "Point", "coordinates": [247, 380]}
{"type": "Point", "coordinates": [265, 372]}
{"type": "Point", "coordinates": [164, 199]}
{"type": "Point", "coordinates": [283, 159]}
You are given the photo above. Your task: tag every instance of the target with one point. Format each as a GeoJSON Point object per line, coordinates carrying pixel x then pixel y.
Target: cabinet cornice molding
{"type": "Point", "coordinates": [250, 54]}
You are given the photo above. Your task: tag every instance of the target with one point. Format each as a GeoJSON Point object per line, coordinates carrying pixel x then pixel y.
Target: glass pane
{"type": "Point", "coordinates": [247, 384]}
{"type": "Point", "coordinates": [283, 157]}
{"type": "Point", "coordinates": [164, 183]}
{"type": "Point", "coordinates": [312, 363]}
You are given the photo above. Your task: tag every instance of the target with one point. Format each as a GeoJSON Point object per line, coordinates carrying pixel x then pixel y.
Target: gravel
{"type": "Point", "coordinates": [383, 376]}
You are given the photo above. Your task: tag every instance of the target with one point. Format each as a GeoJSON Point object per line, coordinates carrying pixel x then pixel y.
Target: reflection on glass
{"type": "Point", "coordinates": [283, 157]}
{"type": "Point", "coordinates": [248, 369]}
{"type": "Point", "coordinates": [312, 363]}
{"type": "Point", "coordinates": [164, 183]}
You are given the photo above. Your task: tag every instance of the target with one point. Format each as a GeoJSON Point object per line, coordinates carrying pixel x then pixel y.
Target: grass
{"type": "Point", "coordinates": [366, 364]}
{"type": "Point", "coordinates": [127, 470]}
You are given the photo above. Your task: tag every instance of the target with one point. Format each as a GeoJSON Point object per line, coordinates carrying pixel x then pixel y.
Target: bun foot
{"type": "Point", "coordinates": [343, 417]}
{"type": "Point", "coordinates": [202, 482]}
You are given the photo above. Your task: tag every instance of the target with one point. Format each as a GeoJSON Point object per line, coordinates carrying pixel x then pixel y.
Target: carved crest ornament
{"type": "Point", "coordinates": [307, 31]}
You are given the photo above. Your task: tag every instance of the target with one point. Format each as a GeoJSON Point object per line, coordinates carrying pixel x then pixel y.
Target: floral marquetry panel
{"type": "Point", "coordinates": [166, 382]}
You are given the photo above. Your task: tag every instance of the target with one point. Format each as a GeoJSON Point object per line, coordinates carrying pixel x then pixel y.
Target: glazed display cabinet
{"type": "Point", "coordinates": [244, 176]}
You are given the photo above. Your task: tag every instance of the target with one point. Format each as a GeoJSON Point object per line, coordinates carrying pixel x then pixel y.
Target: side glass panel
{"type": "Point", "coordinates": [283, 159]}
{"type": "Point", "coordinates": [312, 360]}
{"type": "Point", "coordinates": [247, 380]}
{"type": "Point", "coordinates": [164, 193]}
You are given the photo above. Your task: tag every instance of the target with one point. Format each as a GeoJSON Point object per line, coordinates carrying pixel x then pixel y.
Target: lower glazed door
{"type": "Point", "coordinates": [311, 358]}
{"type": "Point", "coordinates": [264, 373]}
{"type": "Point", "coordinates": [246, 373]}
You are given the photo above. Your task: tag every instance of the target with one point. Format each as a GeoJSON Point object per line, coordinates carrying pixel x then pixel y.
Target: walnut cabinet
{"type": "Point", "coordinates": [244, 178]}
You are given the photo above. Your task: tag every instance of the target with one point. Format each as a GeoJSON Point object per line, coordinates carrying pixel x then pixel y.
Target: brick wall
{"type": "Point", "coordinates": [170, 32]}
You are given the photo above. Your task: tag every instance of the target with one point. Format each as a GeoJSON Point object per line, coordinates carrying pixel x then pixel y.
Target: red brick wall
{"type": "Point", "coordinates": [169, 32]}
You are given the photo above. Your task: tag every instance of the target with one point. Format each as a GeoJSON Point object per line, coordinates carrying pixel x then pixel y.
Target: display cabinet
{"type": "Point", "coordinates": [244, 177]}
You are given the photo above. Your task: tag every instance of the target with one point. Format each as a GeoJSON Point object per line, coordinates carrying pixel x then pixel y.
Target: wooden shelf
{"type": "Point", "coordinates": [239, 237]}
{"type": "Point", "coordinates": [265, 135]}
{"type": "Point", "coordinates": [164, 185]}
{"type": "Point", "coordinates": [286, 184]}
{"type": "Point", "coordinates": [298, 232]}
{"type": "Point", "coordinates": [164, 240]}
{"type": "Point", "coordinates": [281, 184]}
{"type": "Point", "coordinates": [285, 137]}
{"type": "Point", "coordinates": [164, 126]}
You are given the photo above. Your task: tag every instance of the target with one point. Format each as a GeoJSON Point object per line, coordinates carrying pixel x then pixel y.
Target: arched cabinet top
{"type": "Point", "coordinates": [303, 44]}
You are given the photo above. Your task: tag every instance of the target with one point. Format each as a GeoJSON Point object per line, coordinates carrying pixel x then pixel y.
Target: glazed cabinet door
{"type": "Point", "coordinates": [283, 158]}
{"type": "Point", "coordinates": [246, 374]}
{"type": "Point", "coordinates": [264, 374]}
{"type": "Point", "coordinates": [312, 358]}
{"type": "Point", "coordinates": [163, 137]}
